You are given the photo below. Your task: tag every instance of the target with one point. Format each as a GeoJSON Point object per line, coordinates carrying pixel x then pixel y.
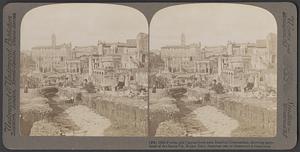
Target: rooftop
{"type": "Point", "coordinates": [261, 43]}
{"type": "Point", "coordinates": [51, 47]}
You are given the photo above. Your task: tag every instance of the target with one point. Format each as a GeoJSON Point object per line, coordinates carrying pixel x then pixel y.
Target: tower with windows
{"type": "Point", "coordinates": [53, 39]}
{"type": "Point", "coordinates": [182, 39]}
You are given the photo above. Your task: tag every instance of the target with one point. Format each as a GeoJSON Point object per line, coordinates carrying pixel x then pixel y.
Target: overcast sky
{"type": "Point", "coordinates": [210, 24]}
{"type": "Point", "coordinates": [81, 24]}
{"type": "Point", "coordinates": [84, 24]}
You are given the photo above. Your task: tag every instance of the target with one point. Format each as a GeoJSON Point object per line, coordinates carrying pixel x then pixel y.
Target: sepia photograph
{"type": "Point", "coordinates": [213, 71]}
{"type": "Point", "coordinates": [150, 75]}
{"type": "Point", "coordinates": [204, 70]}
{"type": "Point", "coordinates": [84, 71]}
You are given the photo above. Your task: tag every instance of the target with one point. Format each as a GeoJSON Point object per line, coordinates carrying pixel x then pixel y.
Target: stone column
{"type": "Point", "coordinates": [37, 66]}
{"type": "Point", "coordinates": [180, 65]}
{"type": "Point", "coordinates": [232, 78]}
{"type": "Point", "coordinates": [90, 66]}
{"type": "Point", "coordinates": [166, 64]}
{"type": "Point", "coordinates": [219, 66]}
{"type": "Point", "coordinates": [51, 66]}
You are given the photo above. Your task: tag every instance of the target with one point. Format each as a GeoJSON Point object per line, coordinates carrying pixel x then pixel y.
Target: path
{"type": "Point", "coordinates": [89, 123]}
{"type": "Point", "coordinates": [217, 123]}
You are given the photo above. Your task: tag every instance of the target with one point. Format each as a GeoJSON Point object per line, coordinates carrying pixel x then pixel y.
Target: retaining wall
{"type": "Point", "coordinates": [123, 115]}
{"type": "Point", "coordinates": [260, 118]}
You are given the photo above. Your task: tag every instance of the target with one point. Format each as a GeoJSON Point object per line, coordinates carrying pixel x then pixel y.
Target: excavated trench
{"type": "Point", "coordinates": [56, 110]}
{"type": "Point", "coordinates": [157, 117]}
{"type": "Point", "coordinates": [180, 122]}
{"type": "Point", "coordinates": [131, 118]}
{"type": "Point", "coordinates": [57, 118]}
{"type": "Point", "coordinates": [184, 117]}
{"type": "Point", "coordinates": [32, 108]}
{"type": "Point", "coordinates": [183, 110]}
{"type": "Point", "coordinates": [128, 116]}
{"type": "Point", "coordinates": [255, 118]}
{"type": "Point", "coordinates": [183, 120]}
{"type": "Point", "coordinates": [25, 126]}
{"type": "Point", "coordinates": [27, 120]}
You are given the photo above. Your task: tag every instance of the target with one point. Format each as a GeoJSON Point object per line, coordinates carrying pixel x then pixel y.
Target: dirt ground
{"type": "Point", "coordinates": [75, 121]}
{"type": "Point", "coordinates": [191, 118]}
{"type": "Point", "coordinates": [218, 124]}
{"type": "Point", "coordinates": [88, 122]}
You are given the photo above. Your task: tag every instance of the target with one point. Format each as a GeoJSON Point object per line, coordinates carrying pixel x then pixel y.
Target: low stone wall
{"type": "Point", "coordinates": [128, 115]}
{"type": "Point", "coordinates": [254, 119]}
{"type": "Point", "coordinates": [121, 114]}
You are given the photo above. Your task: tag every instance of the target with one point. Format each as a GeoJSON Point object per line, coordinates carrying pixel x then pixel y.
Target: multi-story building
{"type": "Point", "coordinates": [232, 69]}
{"type": "Point", "coordinates": [101, 63]}
{"type": "Point", "coordinates": [79, 51]}
{"type": "Point", "coordinates": [247, 61]}
{"type": "Point", "coordinates": [116, 60]}
{"type": "Point", "coordinates": [180, 58]}
{"type": "Point", "coordinates": [210, 51]}
{"type": "Point", "coordinates": [53, 57]}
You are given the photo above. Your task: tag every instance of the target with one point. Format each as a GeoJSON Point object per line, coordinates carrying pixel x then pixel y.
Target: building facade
{"type": "Point", "coordinates": [51, 58]}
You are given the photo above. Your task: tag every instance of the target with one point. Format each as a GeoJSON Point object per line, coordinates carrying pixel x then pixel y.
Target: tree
{"type": "Point", "coordinates": [90, 88]}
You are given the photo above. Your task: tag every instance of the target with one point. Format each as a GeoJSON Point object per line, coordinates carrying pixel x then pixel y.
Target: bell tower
{"type": "Point", "coordinates": [182, 39]}
{"type": "Point", "coordinates": [53, 40]}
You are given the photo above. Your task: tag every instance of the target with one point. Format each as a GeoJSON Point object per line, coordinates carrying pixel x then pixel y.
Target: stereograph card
{"type": "Point", "coordinates": [150, 75]}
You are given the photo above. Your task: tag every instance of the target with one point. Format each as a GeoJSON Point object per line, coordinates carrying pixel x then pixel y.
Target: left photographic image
{"type": "Point", "coordinates": [84, 71]}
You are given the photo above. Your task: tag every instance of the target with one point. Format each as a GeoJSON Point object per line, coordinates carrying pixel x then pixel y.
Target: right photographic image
{"type": "Point", "coordinates": [213, 71]}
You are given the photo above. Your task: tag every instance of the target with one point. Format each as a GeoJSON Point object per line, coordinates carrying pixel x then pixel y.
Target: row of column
{"type": "Point", "coordinates": [73, 69]}
{"type": "Point", "coordinates": [174, 65]}
{"type": "Point", "coordinates": [229, 77]}
{"type": "Point", "coordinates": [45, 67]}
{"type": "Point", "coordinates": [198, 66]}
